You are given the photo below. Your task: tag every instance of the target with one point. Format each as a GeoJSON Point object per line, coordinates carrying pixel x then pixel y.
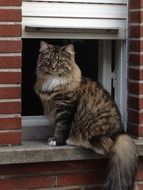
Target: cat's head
{"type": "Point", "coordinates": [55, 60]}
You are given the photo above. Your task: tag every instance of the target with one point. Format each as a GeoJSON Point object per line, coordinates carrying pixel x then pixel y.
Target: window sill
{"type": "Point", "coordinates": [39, 151]}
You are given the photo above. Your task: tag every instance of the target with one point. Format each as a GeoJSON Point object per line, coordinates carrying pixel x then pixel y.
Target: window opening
{"type": "Point", "coordinates": [64, 21]}
{"type": "Point", "coordinates": [86, 58]}
{"type": "Point", "coordinates": [102, 60]}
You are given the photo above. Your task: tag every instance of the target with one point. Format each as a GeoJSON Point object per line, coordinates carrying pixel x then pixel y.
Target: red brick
{"type": "Point", "coordinates": [80, 179]}
{"type": "Point", "coordinates": [62, 167]}
{"type": "Point", "coordinates": [135, 4]}
{"type": "Point", "coordinates": [100, 164]}
{"type": "Point", "coordinates": [48, 168]}
{"type": "Point", "coordinates": [136, 45]}
{"type": "Point", "coordinates": [133, 129]}
{"type": "Point", "coordinates": [10, 2]}
{"type": "Point", "coordinates": [40, 168]}
{"type": "Point", "coordinates": [141, 13]}
{"type": "Point", "coordinates": [10, 77]}
{"type": "Point", "coordinates": [20, 172]}
{"type": "Point", "coordinates": [10, 123]}
{"type": "Point", "coordinates": [136, 74]}
{"type": "Point", "coordinates": [134, 31]}
{"type": "Point", "coordinates": [10, 15]}
{"type": "Point", "coordinates": [134, 17]}
{"type": "Point", "coordinates": [135, 88]}
{"type": "Point", "coordinates": [140, 163]}
{"type": "Point", "coordinates": [10, 92]}
{"type": "Point", "coordinates": [10, 30]}
{"type": "Point", "coordinates": [139, 174]}
{"type": "Point", "coordinates": [140, 186]}
{"type": "Point", "coordinates": [27, 182]}
{"type": "Point", "coordinates": [10, 46]}
{"type": "Point", "coordinates": [94, 188]}
{"type": "Point", "coordinates": [74, 189]}
{"type": "Point", "coordinates": [10, 62]}
{"type": "Point", "coordinates": [13, 138]}
{"type": "Point", "coordinates": [10, 107]}
{"type": "Point", "coordinates": [140, 131]}
{"type": "Point", "coordinates": [135, 117]}
{"type": "Point", "coordinates": [141, 31]}
{"type": "Point", "coordinates": [135, 59]}
{"type": "Point", "coordinates": [135, 103]}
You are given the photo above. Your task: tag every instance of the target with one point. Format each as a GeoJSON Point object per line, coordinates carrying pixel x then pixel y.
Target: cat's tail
{"type": "Point", "coordinates": [123, 164]}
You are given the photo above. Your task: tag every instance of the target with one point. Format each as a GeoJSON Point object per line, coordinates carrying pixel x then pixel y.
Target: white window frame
{"type": "Point", "coordinates": [83, 1]}
{"type": "Point", "coordinates": [119, 75]}
{"type": "Point", "coordinates": [94, 16]}
{"type": "Point", "coordinates": [38, 126]}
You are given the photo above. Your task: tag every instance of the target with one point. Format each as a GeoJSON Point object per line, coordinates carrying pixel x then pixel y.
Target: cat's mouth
{"type": "Point", "coordinates": [53, 67]}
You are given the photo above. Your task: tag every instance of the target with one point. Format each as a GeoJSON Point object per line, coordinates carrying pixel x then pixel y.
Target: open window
{"type": "Point", "coordinates": [98, 31]}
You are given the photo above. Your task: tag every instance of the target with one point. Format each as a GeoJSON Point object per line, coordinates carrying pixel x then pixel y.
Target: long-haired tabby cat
{"type": "Point", "coordinates": [83, 113]}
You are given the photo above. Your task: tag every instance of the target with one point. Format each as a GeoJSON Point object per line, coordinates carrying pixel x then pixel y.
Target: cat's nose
{"type": "Point", "coordinates": [53, 66]}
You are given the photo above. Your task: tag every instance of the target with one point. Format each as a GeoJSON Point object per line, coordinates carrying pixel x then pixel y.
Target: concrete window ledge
{"type": "Point", "coordinates": [39, 151]}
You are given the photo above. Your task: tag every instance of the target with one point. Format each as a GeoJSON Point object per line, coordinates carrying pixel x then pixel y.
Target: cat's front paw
{"type": "Point", "coordinates": [52, 142]}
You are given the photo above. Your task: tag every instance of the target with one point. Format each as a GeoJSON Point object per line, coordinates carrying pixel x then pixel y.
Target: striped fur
{"type": "Point", "coordinates": [84, 113]}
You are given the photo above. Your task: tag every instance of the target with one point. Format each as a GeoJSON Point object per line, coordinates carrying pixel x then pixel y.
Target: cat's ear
{"type": "Point", "coordinates": [69, 49]}
{"type": "Point", "coordinates": [44, 46]}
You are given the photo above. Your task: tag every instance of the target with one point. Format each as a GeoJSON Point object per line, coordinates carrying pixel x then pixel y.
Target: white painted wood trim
{"type": "Point", "coordinates": [73, 23]}
{"type": "Point", "coordinates": [83, 1]}
{"type": "Point", "coordinates": [68, 35]}
{"type": "Point", "coordinates": [83, 24]}
{"type": "Point", "coordinates": [71, 33]}
{"type": "Point", "coordinates": [63, 15]}
{"type": "Point", "coordinates": [119, 75]}
{"type": "Point", "coordinates": [73, 10]}
{"type": "Point", "coordinates": [36, 127]}
{"type": "Point", "coordinates": [35, 121]}
{"type": "Point", "coordinates": [121, 79]}
{"type": "Point", "coordinates": [104, 64]}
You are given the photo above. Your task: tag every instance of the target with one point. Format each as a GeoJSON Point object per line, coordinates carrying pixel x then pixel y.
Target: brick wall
{"type": "Point", "coordinates": [135, 77]}
{"type": "Point", "coordinates": [75, 175]}
{"type": "Point", "coordinates": [10, 74]}
{"type": "Point", "coordinates": [69, 175]}
{"type": "Point", "coordinates": [135, 113]}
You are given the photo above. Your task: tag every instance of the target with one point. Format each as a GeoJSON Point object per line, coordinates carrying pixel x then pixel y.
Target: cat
{"type": "Point", "coordinates": [84, 113]}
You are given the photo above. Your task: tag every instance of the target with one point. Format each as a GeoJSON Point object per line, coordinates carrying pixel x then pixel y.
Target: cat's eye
{"type": "Point", "coordinates": [47, 58]}
{"type": "Point", "coordinates": [60, 61]}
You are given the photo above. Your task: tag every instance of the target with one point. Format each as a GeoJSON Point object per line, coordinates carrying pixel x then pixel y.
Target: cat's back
{"type": "Point", "coordinates": [94, 90]}
{"type": "Point", "coordinates": [95, 98]}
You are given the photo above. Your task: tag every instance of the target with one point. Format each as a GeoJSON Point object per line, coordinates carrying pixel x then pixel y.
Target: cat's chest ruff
{"type": "Point", "coordinates": [52, 83]}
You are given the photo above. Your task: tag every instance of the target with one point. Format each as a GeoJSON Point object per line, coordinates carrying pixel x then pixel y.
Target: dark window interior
{"type": "Point", "coordinates": [86, 58]}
